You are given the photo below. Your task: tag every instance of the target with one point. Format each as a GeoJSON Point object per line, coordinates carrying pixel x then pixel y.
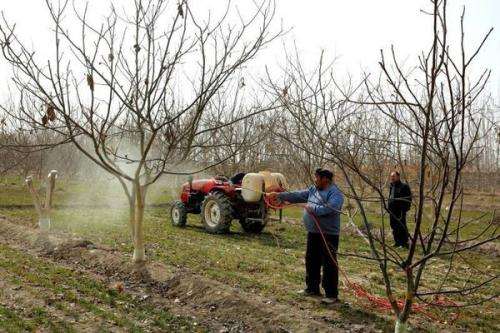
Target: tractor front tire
{"type": "Point", "coordinates": [216, 213]}
{"type": "Point", "coordinates": [178, 214]}
{"type": "Point", "coordinates": [252, 227]}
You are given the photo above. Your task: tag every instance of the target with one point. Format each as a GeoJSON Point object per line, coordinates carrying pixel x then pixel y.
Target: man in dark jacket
{"type": "Point", "coordinates": [324, 204]}
{"type": "Point", "coordinates": [399, 204]}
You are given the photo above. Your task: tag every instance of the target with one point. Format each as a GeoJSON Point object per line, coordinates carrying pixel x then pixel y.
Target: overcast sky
{"type": "Point", "coordinates": [354, 30]}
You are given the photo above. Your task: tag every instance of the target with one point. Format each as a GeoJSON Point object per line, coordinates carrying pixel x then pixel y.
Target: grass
{"type": "Point", "coordinates": [65, 300]}
{"type": "Point", "coordinates": [270, 264]}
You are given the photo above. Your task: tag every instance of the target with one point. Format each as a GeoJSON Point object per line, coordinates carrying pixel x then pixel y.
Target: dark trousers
{"type": "Point", "coordinates": [316, 257]}
{"type": "Point", "coordinates": [399, 229]}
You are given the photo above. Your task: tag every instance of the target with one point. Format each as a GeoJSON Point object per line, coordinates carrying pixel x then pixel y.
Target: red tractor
{"type": "Point", "coordinates": [220, 200]}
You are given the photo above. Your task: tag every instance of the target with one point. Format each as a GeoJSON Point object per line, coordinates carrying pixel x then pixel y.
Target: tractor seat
{"type": "Point", "coordinates": [237, 178]}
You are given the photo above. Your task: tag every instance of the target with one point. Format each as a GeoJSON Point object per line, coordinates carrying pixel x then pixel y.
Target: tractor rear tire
{"type": "Point", "coordinates": [178, 214]}
{"type": "Point", "coordinates": [252, 227]}
{"type": "Point", "coordinates": [216, 213]}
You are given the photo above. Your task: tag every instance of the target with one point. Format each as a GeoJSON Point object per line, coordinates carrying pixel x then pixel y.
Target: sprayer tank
{"type": "Point", "coordinates": [254, 184]}
{"type": "Point", "coordinates": [280, 180]}
{"type": "Point", "coordinates": [252, 187]}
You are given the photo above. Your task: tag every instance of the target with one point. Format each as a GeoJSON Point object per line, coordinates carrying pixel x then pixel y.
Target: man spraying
{"type": "Point", "coordinates": [323, 206]}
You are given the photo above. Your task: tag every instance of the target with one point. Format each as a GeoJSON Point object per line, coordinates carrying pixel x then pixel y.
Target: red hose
{"type": "Point", "coordinates": [381, 303]}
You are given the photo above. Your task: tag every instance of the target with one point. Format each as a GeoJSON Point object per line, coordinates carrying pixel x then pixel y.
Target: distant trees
{"type": "Point", "coordinates": [428, 122]}
{"type": "Point", "coordinates": [25, 151]}
{"type": "Point", "coordinates": [140, 92]}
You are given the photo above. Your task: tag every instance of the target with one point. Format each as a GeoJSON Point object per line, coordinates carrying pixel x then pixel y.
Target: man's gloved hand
{"type": "Point", "coordinates": [272, 195]}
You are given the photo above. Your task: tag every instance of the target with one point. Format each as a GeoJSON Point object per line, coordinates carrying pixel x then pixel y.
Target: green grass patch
{"type": "Point", "coordinates": [66, 289]}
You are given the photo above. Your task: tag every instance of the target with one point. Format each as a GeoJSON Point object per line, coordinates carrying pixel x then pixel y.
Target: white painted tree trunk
{"type": "Point", "coordinates": [401, 327]}
{"type": "Point", "coordinates": [139, 252]}
{"type": "Point", "coordinates": [43, 208]}
{"type": "Point", "coordinates": [44, 224]}
{"type": "Point", "coordinates": [131, 220]}
{"type": "Point", "coordinates": [139, 255]}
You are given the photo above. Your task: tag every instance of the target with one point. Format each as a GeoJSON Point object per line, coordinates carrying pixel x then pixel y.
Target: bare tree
{"type": "Point", "coordinates": [426, 122]}
{"type": "Point", "coordinates": [136, 93]}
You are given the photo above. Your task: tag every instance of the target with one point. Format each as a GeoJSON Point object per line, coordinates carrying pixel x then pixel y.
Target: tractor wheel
{"type": "Point", "coordinates": [178, 214]}
{"type": "Point", "coordinates": [252, 227]}
{"type": "Point", "coordinates": [216, 213]}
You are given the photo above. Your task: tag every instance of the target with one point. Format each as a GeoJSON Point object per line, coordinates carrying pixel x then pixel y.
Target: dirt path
{"type": "Point", "coordinates": [208, 304]}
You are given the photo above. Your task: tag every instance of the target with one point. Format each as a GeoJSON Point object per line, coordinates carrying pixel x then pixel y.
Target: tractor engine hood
{"type": "Point", "coordinates": [201, 184]}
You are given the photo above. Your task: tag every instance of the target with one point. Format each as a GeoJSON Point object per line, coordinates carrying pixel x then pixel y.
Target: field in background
{"type": "Point", "coordinates": [270, 264]}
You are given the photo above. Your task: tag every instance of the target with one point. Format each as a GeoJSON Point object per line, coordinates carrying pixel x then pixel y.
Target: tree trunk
{"type": "Point", "coordinates": [139, 253]}
{"type": "Point", "coordinates": [139, 256]}
{"type": "Point", "coordinates": [131, 217]}
{"type": "Point", "coordinates": [401, 327]}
